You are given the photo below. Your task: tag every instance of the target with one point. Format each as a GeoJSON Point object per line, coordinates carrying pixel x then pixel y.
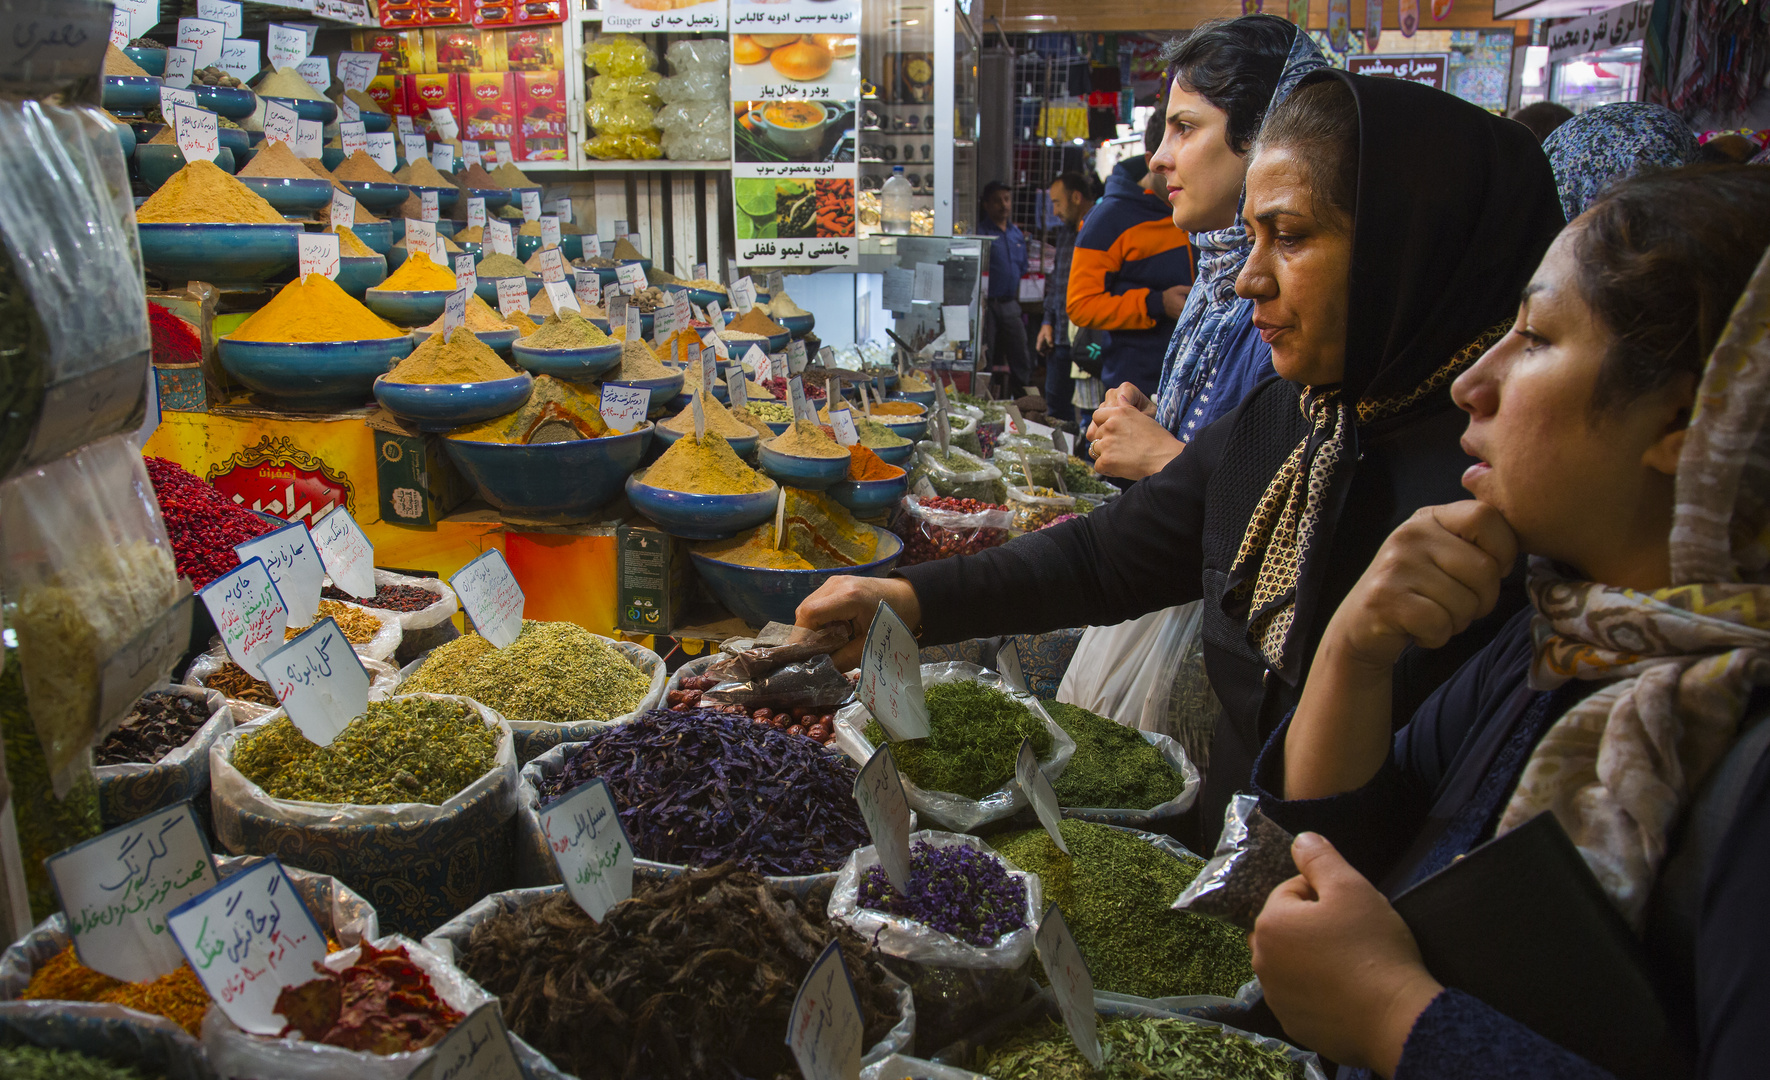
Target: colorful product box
{"type": "Point", "coordinates": [542, 116]}
{"type": "Point", "coordinates": [463, 49]}
{"type": "Point", "coordinates": [536, 49]}
{"type": "Point", "coordinates": [445, 12]}
{"type": "Point", "coordinates": [516, 12]}
{"type": "Point", "coordinates": [402, 51]}
{"type": "Point", "coordinates": [426, 92]}
{"type": "Point", "coordinates": [488, 105]}
{"type": "Point", "coordinates": [389, 92]}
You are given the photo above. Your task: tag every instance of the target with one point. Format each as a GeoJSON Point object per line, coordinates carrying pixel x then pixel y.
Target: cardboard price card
{"type": "Point", "coordinates": [248, 938]}
{"type": "Point", "coordinates": [825, 1028]}
{"type": "Point", "coordinates": [116, 890]}
{"type": "Point", "coordinates": [476, 212]}
{"type": "Point", "coordinates": [891, 677]}
{"type": "Point", "coordinates": [352, 135]}
{"type": "Point", "coordinates": [454, 310]}
{"type": "Point", "coordinates": [346, 552]}
{"type": "Point", "coordinates": [562, 209]}
{"type": "Point", "coordinates": [759, 364]}
{"type": "Point", "coordinates": [466, 276]}
{"type": "Point", "coordinates": [203, 37]}
{"type": "Point", "coordinates": [513, 295]}
{"type": "Point", "coordinates": [181, 64]}
{"type": "Point", "coordinates": [421, 236]}
{"type": "Point", "coordinates": [198, 132]}
{"type": "Point", "coordinates": [383, 149]}
{"type": "Point", "coordinates": [842, 422]}
{"type": "Point", "coordinates": [357, 69]}
{"type": "Point", "coordinates": [288, 554]}
{"type": "Point", "coordinates": [317, 253]}
{"type": "Point", "coordinates": [285, 46]}
{"type": "Point", "coordinates": [589, 287]}
{"type": "Point", "coordinates": [319, 680]}
{"type": "Point", "coordinates": [173, 96]}
{"type": "Point", "coordinates": [562, 296]}
{"type": "Point", "coordinates": [248, 612]}
{"type": "Point", "coordinates": [1070, 983]}
{"type": "Point", "coordinates": [549, 231]}
{"type": "Point", "coordinates": [429, 205]}
{"type": "Point", "coordinates": [308, 138]}
{"type": "Point", "coordinates": [886, 810]}
{"type": "Point", "coordinates": [743, 294]}
{"type": "Point", "coordinates": [491, 597]}
{"type": "Point", "coordinates": [343, 209]}
{"type": "Point", "coordinates": [590, 846]}
{"type": "Point", "coordinates": [412, 143]}
{"type": "Point", "coordinates": [624, 407]}
{"type": "Point", "coordinates": [631, 277]}
{"type": "Point", "coordinates": [531, 205]}
{"type": "Point", "coordinates": [478, 1048]}
{"type": "Point", "coordinates": [499, 234]}
{"type": "Point", "coordinates": [552, 264]}
{"type": "Point", "coordinates": [239, 58]}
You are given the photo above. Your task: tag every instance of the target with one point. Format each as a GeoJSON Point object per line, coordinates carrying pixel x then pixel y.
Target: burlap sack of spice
{"type": "Point", "coordinates": [137, 789]}
{"type": "Point", "coordinates": [945, 808]}
{"type": "Point", "coordinates": [150, 1042]}
{"type": "Point", "coordinates": [419, 864]}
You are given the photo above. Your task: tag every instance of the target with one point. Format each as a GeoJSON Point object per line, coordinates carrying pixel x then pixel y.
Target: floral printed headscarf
{"type": "Point", "coordinates": [1611, 143]}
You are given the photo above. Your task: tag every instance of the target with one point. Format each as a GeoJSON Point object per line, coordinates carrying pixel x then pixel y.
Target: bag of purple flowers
{"type": "Point", "coordinates": [960, 933]}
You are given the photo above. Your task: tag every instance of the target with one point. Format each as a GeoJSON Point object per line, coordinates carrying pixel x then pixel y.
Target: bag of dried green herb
{"type": "Point", "coordinates": [252, 699]}
{"type": "Point", "coordinates": [1253, 857]}
{"type": "Point", "coordinates": [357, 808]}
{"type": "Point", "coordinates": [962, 775]}
{"type": "Point", "coordinates": [1121, 775]}
{"type": "Point", "coordinates": [961, 935]}
{"type": "Point", "coordinates": [160, 754]}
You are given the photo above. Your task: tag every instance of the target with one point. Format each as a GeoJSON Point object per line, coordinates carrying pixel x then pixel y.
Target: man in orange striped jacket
{"type": "Point", "coordinates": [1130, 274]}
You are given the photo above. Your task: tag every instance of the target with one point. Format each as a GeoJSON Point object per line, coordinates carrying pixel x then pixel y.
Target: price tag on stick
{"type": "Point", "coordinates": [319, 680]}
{"type": "Point", "coordinates": [824, 1029]}
{"type": "Point", "coordinates": [562, 296]}
{"type": "Point", "coordinates": [466, 276]}
{"type": "Point", "coordinates": [891, 677]}
{"type": "Point", "coordinates": [478, 1048]}
{"type": "Point", "coordinates": [552, 264]}
{"type": "Point", "coordinates": [198, 132]}
{"type": "Point", "coordinates": [343, 210]}
{"type": "Point", "coordinates": [476, 212]}
{"type": "Point", "coordinates": [631, 277]}
{"type": "Point", "coordinates": [1008, 666]}
{"type": "Point", "coordinates": [700, 416]}
{"type": "Point", "coordinates": [780, 517]}
{"type": "Point", "coordinates": [117, 888]}
{"type": "Point", "coordinates": [589, 288]}
{"type": "Point", "coordinates": [248, 938]}
{"type": "Point", "coordinates": [248, 613]}
{"type": "Point", "coordinates": [346, 552]}
{"type": "Point", "coordinates": [737, 387]}
{"type": "Point", "coordinates": [1038, 788]}
{"type": "Point", "coordinates": [317, 253]}
{"type": "Point", "coordinates": [624, 407]}
{"type": "Point", "coordinates": [454, 311]}
{"type": "Point", "coordinates": [633, 323]}
{"type": "Point", "coordinates": [181, 64]}
{"type": "Point", "coordinates": [842, 422]}
{"type": "Point", "coordinates": [886, 810]}
{"type": "Point", "coordinates": [590, 846]}
{"type": "Point", "coordinates": [1070, 983]}
{"type": "Point", "coordinates": [491, 597]}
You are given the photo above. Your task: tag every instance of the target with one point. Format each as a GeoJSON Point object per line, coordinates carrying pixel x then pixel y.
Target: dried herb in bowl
{"type": "Point", "coordinates": [554, 672]}
{"type": "Point", "coordinates": [957, 890]}
{"type": "Point", "coordinates": [1113, 766]}
{"type": "Point", "coordinates": [161, 722]}
{"type": "Point", "coordinates": [974, 737]}
{"type": "Point", "coordinates": [1136, 1048]}
{"type": "Point", "coordinates": [694, 977]}
{"type": "Point", "coordinates": [698, 788]}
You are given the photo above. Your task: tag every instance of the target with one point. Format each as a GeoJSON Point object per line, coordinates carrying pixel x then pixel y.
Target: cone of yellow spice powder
{"type": "Point", "coordinates": [705, 466]}
{"type": "Point", "coordinates": [203, 193]}
{"type": "Point", "coordinates": [456, 357]}
{"type": "Point", "coordinates": [314, 309]}
{"type": "Point", "coordinates": [418, 274]}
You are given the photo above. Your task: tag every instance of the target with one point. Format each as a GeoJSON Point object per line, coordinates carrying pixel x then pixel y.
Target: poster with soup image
{"type": "Point", "coordinates": [793, 129]}
{"type": "Point", "coordinates": [768, 66]}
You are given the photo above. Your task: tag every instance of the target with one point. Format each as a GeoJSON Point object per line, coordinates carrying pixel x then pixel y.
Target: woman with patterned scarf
{"type": "Point", "coordinates": [1627, 702]}
{"type": "Point", "coordinates": [1393, 227]}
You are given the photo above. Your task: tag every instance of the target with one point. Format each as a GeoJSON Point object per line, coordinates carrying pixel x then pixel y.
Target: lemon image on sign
{"type": "Point", "coordinates": [756, 201]}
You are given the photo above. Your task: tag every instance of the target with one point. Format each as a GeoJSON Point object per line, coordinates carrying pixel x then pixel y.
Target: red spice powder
{"type": "Point", "coordinates": [175, 342]}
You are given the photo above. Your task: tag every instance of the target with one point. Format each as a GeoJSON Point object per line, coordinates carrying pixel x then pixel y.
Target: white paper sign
{"type": "Point", "coordinates": [552, 264]}
{"type": "Point", "coordinates": [589, 289]}
{"type": "Point", "coordinates": [357, 69]}
{"type": "Point", "coordinates": [491, 597]}
{"type": "Point", "coordinates": [700, 416]}
{"type": "Point", "coordinates": [549, 231]}
{"type": "Point", "coordinates": [1038, 788]}
{"type": "Point", "coordinates": [248, 613]}
{"type": "Point", "coordinates": [454, 311]}
{"type": "Point", "coordinates": [382, 149]}
{"type": "Point", "coordinates": [737, 388]}
{"type": "Point", "coordinates": [624, 407]}
{"type": "Point", "coordinates": [590, 846]}
{"type": "Point", "coordinates": [842, 422]}
{"type": "Point", "coordinates": [119, 35]}
{"type": "Point", "coordinates": [412, 144]}
{"type": "Point", "coordinates": [316, 71]}
{"type": "Point", "coordinates": [443, 120]}
{"type": "Point", "coordinates": [743, 294]}
{"type": "Point", "coordinates": [620, 226]}
{"type": "Point", "coordinates": [1070, 982]}
{"type": "Point", "coordinates": [1015, 420]}
{"type": "Point", "coordinates": [637, 242]}
{"type": "Point", "coordinates": [498, 235]}
{"type": "Point", "coordinates": [616, 302]}
{"type": "Point", "coordinates": [663, 323]}
{"type": "Point", "coordinates": [802, 407]}
{"type": "Point", "coordinates": [352, 136]}
{"type": "Point", "coordinates": [429, 206]}
{"type": "Point", "coordinates": [294, 565]}
{"type": "Point", "coordinates": [346, 552]}
{"type": "Point", "coordinates": [886, 810]}
{"type": "Point", "coordinates": [562, 296]}
{"type": "Point", "coordinates": [891, 677]}
{"type": "Point", "coordinates": [181, 64]}
{"type": "Point", "coordinates": [757, 361]}
{"type": "Point", "coordinates": [116, 890]}
{"type": "Point", "coordinates": [476, 212]}
{"type": "Point", "coordinates": [562, 209]}
{"type": "Point", "coordinates": [349, 112]}
{"type": "Point", "coordinates": [466, 275]}
{"type": "Point", "coordinates": [198, 132]}
{"type": "Point", "coordinates": [442, 156]}
{"type": "Point", "coordinates": [225, 12]}
{"type": "Point", "coordinates": [239, 58]}
{"type": "Point", "coordinates": [927, 285]}
{"type": "Point", "coordinates": [592, 246]}
{"type": "Point", "coordinates": [531, 205]}
{"type": "Point", "coordinates": [202, 37]}
{"type": "Point", "coordinates": [402, 124]}
{"type": "Point", "coordinates": [633, 323]}
{"type": "Point", "coordinates": [172, 96]}
{"type": "Point", "coordinates": [285, 46]}
{"type": "Point", "coordinates": [502, 148]}
{"type": "Point", "coordinates": [421, 237]}
{"type": "Point", "coordinates": [513, 295]}
{"type": "Point", "coordinates": [825, 1030]}
{"type": "Point", "coordinates": [317, 253]}
{"type": "Point", "coordinates": [477, 1048]}
{"type": "Point", "coordinates": [308, 138]}
{"type": "Point", "coordinates": [279, 123]}
{"type": "Point", "coordinates": [470, 152]}
{"type": "Point", "coordinates": [319, 680]}
{"type": "Point", "coordinates": [795, 356]}
{"type": "Point", "coordinates": [247, 939]}
{"type": "Point", "coordinates": [631, 277]}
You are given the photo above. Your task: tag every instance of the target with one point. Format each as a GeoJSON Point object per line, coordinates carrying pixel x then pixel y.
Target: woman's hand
{"type": "Point", "coordinates": [855, 600]}
{"type": "Point", "coordinates": [1128, 395]}
{"type": "Point", "coordinates": [1339, 968]}
{"type": "Point", "coordinates": [1128, 444]}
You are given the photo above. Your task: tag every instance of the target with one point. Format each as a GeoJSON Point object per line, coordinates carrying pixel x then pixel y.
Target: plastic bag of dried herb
{"type": "Point", "coordinates": [953, 810]}
{"type": "Point", "coordinates": [419, 864]}
{"type": "Point", "coordinates": [151, 1042]}
{"type": "Point", "coordinates": [252, 699]}
{"type": "Point", "coordinates": [135, 788]}
{"type": "Point", "coordinates": [1253, 857]}
{"type": "Point", "coordinates": [956, 983]}
{"type": "Point", "coordinates": [1100, 765]}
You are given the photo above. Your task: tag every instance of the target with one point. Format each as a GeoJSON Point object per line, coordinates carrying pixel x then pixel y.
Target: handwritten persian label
{"type": "Point", "coordinates": [476, 212]}
{"type": "Point", "coordinates": [589, 288]}
{"type": "Point", "coordinates": [289, 556]}
{"type": "Point", "coordinates": [714, 315]}
{"type": "Point", "coordinates": [842, 422]}
{"type": "Point", "coordinates": [616, 301]}
{"type": "Point", "coordinates": [663, 323]}
{"type": "Point", "coordinates": [631, 277]}
{"type": "Point", "coordinates": [592, 245]}
{"type": "Point", "coordinates": [795, 356]}
{"type": "Point", "coordinates": [317, 253]}
{"type": "Point", "coordinates": [357, 69]}
{"type": "Point", "coordinates": [757, 361]}
{"type": "Point", "coordinates": [562, 209]}
{"type": "Point", "coordinates": [549, 231]}
{"type": "Point", "coordinates": [562, 296]}
{"type": "Point", "coordinates": [824, 1029]}
{"type": "Point", "coordinates": [1015, 420]}
{"type": "Point", "coordinates": [308, 138]}
{"type": "Point", "coordinates": [430, 206]}
{"type": "Point", "coordinates": [421, 236]}
{"type": "Point", "coordinates": [225, 12]}
{"type": "Point", "coordinates": [624, 407]}
{"type": "Point", "coordinates": [198, 132]}
{"type": "Point", "coordinates": [345, 550]}
{"type": "Point", "coordinates": [466, 276]}
{"type": "Point", "coordinates": [531, 205]}
{"type": "Point", "coordinates": [248, 612]}
{"type": "Point", "coordinates": [117, 888]}
{"type": "Point", "coordinates": [414, 145]}
{"type": "Point", "coordinates": [478, 1048]}
{"type": "Point", "coordinates": [1070, 982]}
{"type": "Point", "coordinates": [633, 322]}
{"type": "Point", "coordinates": [383, 149]}
{"type": "Point", "coordinates": [590, 846]}
{"type": "Point", "coordinates": [343, 214]}
{"type": "Point", "coordinates": [470, 152]}
{"type": "Point", "coordinates": [802, 409]}
{"type": "Point", "coordinates": [491, 597]}
{"type": "Point", "coordinates": [172, 96]}
{"type": "Point", "coordinates": [119, 28]}
{"type": "Point", "coordinates": [513, 295]}
{"type": "Point", "coordinates": [239, 58]}
{"type": "Point", "coordinates": [891, 677]}
{"type": "Point", "coordinates": [737, 388]}
{"type": "Point", "coordinates": [181, 64]}
{"type": "Point", "coordinates": [443, 120]}
{"type": "Point", "coordinates": [886, 810]}
{"type": "Point", "coordinates": [501, 147]}
{"type": "Point", "coordinates": [743, 294]}
{"type": "Point", "coordinates": [700, 416]}
{"type": "Point", "coordinates": [498, 233]}
{"type": "Point", "coordinates": [402, 124]}
{"type": "Point", "coordinates": [203, 37]}
{"type": "Point", "coordinates": [442, 156]}
{"type": "Point", "coordinates": [1038, 788]}
{"type": "Point", "coordinates": [319, 680]}
{"type": "Point", "coordinates": [352, 136]}
{"type": "Point", "coordinates": [316, 71]}
{"type": "Point", "coordinates": [454, 310]}
{"type": "Point", "coordinates": [248, 938]}
{"type": "Point", "coordinates": [285, 46]}
{"type": "Point", "coordinates": [552, 264]}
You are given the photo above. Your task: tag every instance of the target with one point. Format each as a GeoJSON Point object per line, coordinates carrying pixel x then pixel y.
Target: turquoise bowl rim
{"type": "Point", "coordinates": [314, 189]}
{"type": "Point", "coordinates": [747, 511]}
{"type": "Point", "coordinates": [846, 490]}
{"type": "Point", "coordinates": [420, 299]}
{"type": "Point", "coordinates": [499, 341]}
{"type": "Point", "coordinates": [225, 96]}
{"type": "Point", "coordinates": [504, 400]}
{"type": "Point", "coordinates": [376, 190]}
{"type": "Point", "coordinates": [228, 351]}
{"type": "Point", "coordinates": [816, 475]}
{"type": "Point", "coordinates": [607, 445]}
{"type": "Point", "coordinates": [812, 578]}
{"type": "Point", "coordinates": [611, 360]}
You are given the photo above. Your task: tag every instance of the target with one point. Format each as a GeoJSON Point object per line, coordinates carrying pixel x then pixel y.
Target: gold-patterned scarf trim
{"type": "Point", "coordinates": [1369, 411]}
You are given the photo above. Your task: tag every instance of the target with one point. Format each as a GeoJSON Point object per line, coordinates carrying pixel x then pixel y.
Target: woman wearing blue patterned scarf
{"type": "Point", "coordinates": [1611, 143]}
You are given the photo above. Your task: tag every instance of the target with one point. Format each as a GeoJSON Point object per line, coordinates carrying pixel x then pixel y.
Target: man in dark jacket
{"type": "Point", "coordinates": [1071, 199]}
{"type": "Point", "coordinates": [1004, 329]}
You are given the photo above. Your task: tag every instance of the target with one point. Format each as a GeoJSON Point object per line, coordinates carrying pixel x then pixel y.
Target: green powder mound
{"type": "Point", "coordinates": [25, 1062]}
{"type": "Point", "coordinates": [554, 672]}
{"type": "Point", "coordinates": [974, 737]}
{"type": "Point", "coordinates": [1136, 1048]}
{"type": "Point", "coordinates": [1114, 890]}
{"type": "Point", "coordinates": [1113, 767]}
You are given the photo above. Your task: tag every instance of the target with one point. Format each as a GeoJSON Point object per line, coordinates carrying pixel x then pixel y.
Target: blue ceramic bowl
{"type": "Point", "coordinates": [552, 482]}
{"type": "Point", "coordinates": [703, 297]}
{"type": "Point", "coordinates": [407, 307]}
{"type": "Point", "coordinates": [447, 406]}
{"type": "Point", "coordinates": [130, 92]}
{"type": "Point", "coordinates": [913, 428]}
{"type": "Point", "coordinates": [235, 139]}
{"type": "Point", "coordinates": [125, 139]}
{"type": "Point", "coordinates": [526, 246]}
{"type": "Point", "coordinates": [759, 596]}
{"type": "Point", "coordinates": [742, 446]}
{"type": "Point", "coordinates": [924, 398]}
{"type": "Point", "coordinates": [152, 61]}
{"type": "Point", "coordinates": [487, 289]}
{"type": "Point", "coordinates": [896, 455]}
{"type": "Point", "coordinates": [233, 102]}
{"type": "Point", "coordinates": [376, 234]}
{"type": "Point", "coordinates": [571, 245]}
{"type": "Point", "coordinates": [811, 474]}
{"type": "Point", "coordinates": [662, 390]}
{"type": "Point", "coordinates": [870, 497]}
{"type": "Point", "coordinates": [378, 198]}
{"type": "Point", "coordinates": [573, 365]}
{"type": "Point", "coordinates": [702, 517]}
{"type": "Point", "coordinates": [357, 274]}
{"type": "Point", "coordinates": [445, 197]}
{"type": "Point", "coordinates": [499, 340]}
{"type": "Point", "coordinates": [323, 111]}
{"type": "Point", "coordinates": [178, 251]}
{"type": "Point", "coordinates": [797, 325]}
{"type": "Point", "coordinates": [156, 164]}
{"type": "Point", "coordinates": [312, 375]}
{"type": "Point", "coordinates": [778, 427]}
{"type": "Point", "coordinates": [331, 157]}
{"type": "Point", "coordinates": [375, 123]}
{"type": "Point", "coordinates": [289, 195]}
{"type": "Point", "coordinates": [496, 198]}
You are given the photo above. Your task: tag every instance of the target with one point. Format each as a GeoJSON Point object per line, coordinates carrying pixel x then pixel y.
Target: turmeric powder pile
{"type": "Point", "coordinates": [455, 357]}
{"type": "Point", "coordinates": [705, 466]}
{"type": "Point", "coordinates": [820, 535]}
{"type": "Point", "coordinates": [203, 193]}
{"type": "Point", "coordinates": [177, 996]}
{"type": "Point", "coordinates": [313, 309]}
{"type": "Point", "coordinates": [481, 319]}
{"type": "Point", "coordinates": [419, 274]}
{"type": "Point", "coordinates": [350, 245]}
{"type": "Point", "coordinates": [807, 441]}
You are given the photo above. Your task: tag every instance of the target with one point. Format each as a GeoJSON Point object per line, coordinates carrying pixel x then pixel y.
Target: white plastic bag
{"type": "Point", "coordinates": [1124, 672]}
{"type": "Point", "coordinates": [434, 614]}
{"type": "Point", "coordinates": [138, 788]}
{"type": "Point", "coordinates": [386, 640]}
{"type": "Point", "coordinates": [945, 808]}
{"type": "Point", "coordinates": [383, 680]}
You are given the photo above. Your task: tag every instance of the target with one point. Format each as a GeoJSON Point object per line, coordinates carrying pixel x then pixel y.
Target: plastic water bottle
{"type": "Point", "coordinates": [894, 203]}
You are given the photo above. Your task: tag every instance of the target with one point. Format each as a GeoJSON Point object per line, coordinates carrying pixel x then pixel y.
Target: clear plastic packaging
{"type": "Point", "coordinates": [703, 55]}
{"type": "Point", "coordinates": [944, 808]}
{"type": "Point", "coordinates": [1034, 510]}
{"type": "Point", "coordinates": [138, 788]}
{"type": "Point", "coordinates": [386, 640]}
{"type": "Point", "coordinates": [384, 678]}
{"type": "Point", "coordinates": [1253, 857]}
{"type": "Point", "coordinates": [425, 618]}
{"type": "Point", "coordinates": [962, 475]}
{"type": "Point", "coordinates": [1044, 467]}
{"type": "Point", "coordinates": [623, 98]}
{"type": "Point", "coordinates": [1177, 760]}
{"type": "Point", "coordinates": [929, 532]}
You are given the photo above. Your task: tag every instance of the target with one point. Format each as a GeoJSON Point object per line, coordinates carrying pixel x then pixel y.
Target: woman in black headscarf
{"type": "Point", "coordinates": [1394, 226]}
